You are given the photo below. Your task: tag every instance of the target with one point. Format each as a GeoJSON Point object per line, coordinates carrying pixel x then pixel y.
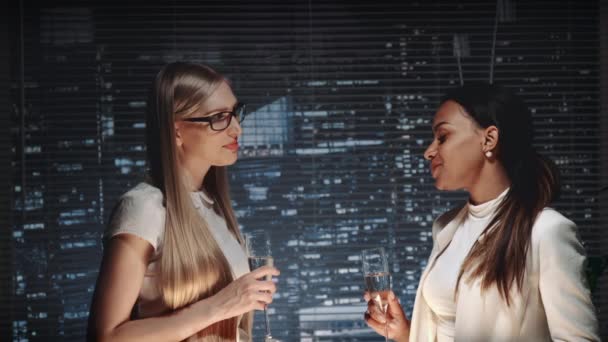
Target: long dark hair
{"type": "Point", "coordinates": [500, 258]}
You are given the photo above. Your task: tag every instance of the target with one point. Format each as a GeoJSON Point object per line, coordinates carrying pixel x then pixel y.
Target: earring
{"type": "Point", "coordinates": [489, 154]}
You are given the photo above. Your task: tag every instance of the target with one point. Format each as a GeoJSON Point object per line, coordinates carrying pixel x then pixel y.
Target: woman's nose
{"type": "Point", "coordinates": [234, 129]}
{"type": "Point", "coordinates": [430, 151]}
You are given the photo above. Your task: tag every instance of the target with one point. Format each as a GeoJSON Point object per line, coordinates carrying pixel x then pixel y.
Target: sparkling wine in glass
{"type": "Point", "coordinates": [257, 244]}
{"type": "Point", "coordinates": [377, 278]}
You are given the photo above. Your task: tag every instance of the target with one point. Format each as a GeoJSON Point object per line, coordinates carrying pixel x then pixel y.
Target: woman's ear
{"type": "Point", "coordinates": [178, 136]}
{"type": "Point", "coordinates": [491, 136]}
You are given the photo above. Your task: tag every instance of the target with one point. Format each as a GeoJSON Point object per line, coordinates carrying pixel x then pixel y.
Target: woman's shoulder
{"type": "Point", "coordinates": [549, 219]}
{"type": "Point", "coordinates": [551, 225]}
{"type": "Point", "coordinates": [144, 192]}
{"type": "Point", "coordinates": [142, 197]}
{"type": "Point", "coordinates": [140, 202]}
{"type": "Point", "coordinates": [139, 211]}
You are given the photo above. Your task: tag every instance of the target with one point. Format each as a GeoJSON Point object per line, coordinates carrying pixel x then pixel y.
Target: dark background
{"type": "Point", "coordinates": [343, 94]}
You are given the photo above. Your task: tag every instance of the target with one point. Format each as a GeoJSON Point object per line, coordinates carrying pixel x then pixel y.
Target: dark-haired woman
{"type": "Point", "coordinates": [504, 266]}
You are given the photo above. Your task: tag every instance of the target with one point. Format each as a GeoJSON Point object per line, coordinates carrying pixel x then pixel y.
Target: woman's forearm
{"type": "Point", "coordinates": [175, 326]}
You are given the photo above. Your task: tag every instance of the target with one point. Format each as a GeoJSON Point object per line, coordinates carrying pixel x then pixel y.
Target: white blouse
{"type": "Point", "coordinates": [438, 288]}
{"type": "Point", "coordinates": [141, 212]}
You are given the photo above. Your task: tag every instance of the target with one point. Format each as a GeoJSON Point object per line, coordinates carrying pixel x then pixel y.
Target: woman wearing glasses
{"type": "Point", "coordinates": [174, 267]}
{"type": "Point", "coordinates": [504, 266]}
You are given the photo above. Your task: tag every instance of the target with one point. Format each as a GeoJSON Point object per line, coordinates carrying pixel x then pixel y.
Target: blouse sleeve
{"type": "Point", "coordinates": [139, 212]}
{"type": "Point", "coordinates": [563, 286]}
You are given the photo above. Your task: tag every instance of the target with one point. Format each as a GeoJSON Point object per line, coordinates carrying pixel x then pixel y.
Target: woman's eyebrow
{"type": "Point", "coordinates": [436, 127]}
{"type": "Point", "coordinates": [219, 110]}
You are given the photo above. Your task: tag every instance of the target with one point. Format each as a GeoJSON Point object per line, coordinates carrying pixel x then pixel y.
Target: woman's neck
{"type": "Point", "coordinates": [195, 175]}
{"type": "Point", "coordinates": [492, 182]}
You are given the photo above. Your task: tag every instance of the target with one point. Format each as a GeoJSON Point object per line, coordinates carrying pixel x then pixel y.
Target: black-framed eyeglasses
{"type": "Point", "coordinates": [220, 121]}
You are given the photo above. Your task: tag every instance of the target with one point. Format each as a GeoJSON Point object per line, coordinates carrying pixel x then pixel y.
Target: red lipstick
{"type": "Point", "coordinates": [234, 146]}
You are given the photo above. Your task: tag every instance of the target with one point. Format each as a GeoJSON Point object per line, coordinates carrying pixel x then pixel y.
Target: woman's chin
{"type": "Point", "coordinates": [229, 161]}
{"type": "Point", "coordinates": [444, 186]}
{"type": "Point", "coordinates": [438, 184]}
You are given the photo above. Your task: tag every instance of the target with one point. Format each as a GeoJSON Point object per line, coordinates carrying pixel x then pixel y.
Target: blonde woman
{"type": "Point", "coordinates": [173, 266]}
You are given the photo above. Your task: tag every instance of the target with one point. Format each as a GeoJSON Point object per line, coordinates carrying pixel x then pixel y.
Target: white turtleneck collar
{"type": "Point", "coordinates": [484, 210]}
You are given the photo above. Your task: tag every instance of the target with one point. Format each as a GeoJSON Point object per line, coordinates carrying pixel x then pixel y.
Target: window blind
{"type": "Point", "coordinates": [342, 95]}
{"type": "Point", "coordinates": [601, 299]}
{"type": "Point", "coordinates": [5, 182]}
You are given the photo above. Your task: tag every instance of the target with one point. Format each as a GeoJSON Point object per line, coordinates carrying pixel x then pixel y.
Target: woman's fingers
{"type": "Point", "coordinates": [375, 312]}
{"type": "Point", "coordinates": [259, 306]}
{"type": "Point", "coordinates": [260, 300]}
{"type": "Point", "coordinates": [393, 322]}
{"type": "Point", "coordinates": [395, 309]}
{"type": "Point", "coordinates": [372, 323]}
{"type": "Point", "coordinates": [264, 297]}
{"type": "Point", "coordinates": [248, 293]}
{"type": "Point", "coordinates": [264, 271]}
{"type": "Point", "coordinates": [263, 285]}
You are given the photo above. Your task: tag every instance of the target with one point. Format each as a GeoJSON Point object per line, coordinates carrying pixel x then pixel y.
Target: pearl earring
{"type": "Point", "coordinates": [489, 154]}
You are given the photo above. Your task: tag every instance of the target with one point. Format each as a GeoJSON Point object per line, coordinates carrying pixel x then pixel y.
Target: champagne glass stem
{"type": "Point", "coordinates": [386, 331]}
{"type": "Point", "coordinates": [267, 321]}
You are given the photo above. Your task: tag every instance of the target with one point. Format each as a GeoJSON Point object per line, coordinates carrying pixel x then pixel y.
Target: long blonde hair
{"type": "Point", "coordinates": [192, 265]}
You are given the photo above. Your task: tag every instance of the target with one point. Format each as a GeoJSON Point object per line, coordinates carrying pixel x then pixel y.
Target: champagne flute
{"type": "Point", "coordinates": [377, 279]}
{"type": "Point", "coordinates": [257, 244]}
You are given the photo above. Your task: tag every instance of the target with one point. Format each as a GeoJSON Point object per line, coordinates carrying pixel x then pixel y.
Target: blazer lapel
{"type": "Point", "coordinates": [423, 328]}
{"type": "Point", "coordinates": [444, 235]}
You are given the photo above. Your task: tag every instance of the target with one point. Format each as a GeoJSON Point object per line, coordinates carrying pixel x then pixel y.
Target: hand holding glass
{"type": "Point", "coordinates": [377, 278]}
{"type": "Point", "coordinates": [258, 251]}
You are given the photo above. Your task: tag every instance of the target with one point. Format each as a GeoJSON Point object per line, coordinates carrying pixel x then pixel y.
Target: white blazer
{"type": "Point", "coordinates": [554, 303]}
